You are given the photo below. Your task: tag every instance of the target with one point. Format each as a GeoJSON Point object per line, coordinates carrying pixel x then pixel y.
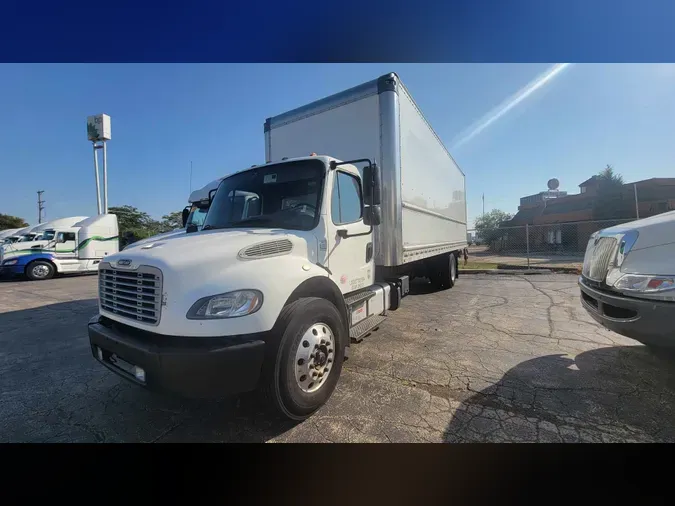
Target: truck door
{"type": "Point", "coordinates": [350, 241]}
{"type": "Point", "coordinates": [66, 244]}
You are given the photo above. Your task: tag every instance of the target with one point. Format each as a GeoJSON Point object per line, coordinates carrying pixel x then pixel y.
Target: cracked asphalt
{"type": "Point", "coordinates": [498, 358]}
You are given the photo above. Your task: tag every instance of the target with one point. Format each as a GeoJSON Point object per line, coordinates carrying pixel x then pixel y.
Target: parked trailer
{"type": "Point", "coordinates": [271, 295]}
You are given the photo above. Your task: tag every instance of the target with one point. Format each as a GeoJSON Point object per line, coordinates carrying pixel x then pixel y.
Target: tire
{"type": "Point", "coordinates": [290, 385]}
{"type": "Point", "coordinates": [39, 270]}
{"type": "Point", "coordinates": [444, 272]}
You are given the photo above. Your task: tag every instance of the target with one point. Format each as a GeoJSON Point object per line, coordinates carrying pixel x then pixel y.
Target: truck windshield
{"type": "Point", "coordinates": [197, 216]}
{"type": "Point", "coordinates": [286, 195]}
{"type": "Point", "coordinates": [48, 235]}
{"type": "Point", "coordinates": [27, 238]}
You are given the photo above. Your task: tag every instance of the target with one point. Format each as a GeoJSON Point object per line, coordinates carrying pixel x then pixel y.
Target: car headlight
{"type": "Point", "coordinates": [226, 305]}
{"type": "Point", "coordinates": [11, 262]}
{"type": "Point", "coordinates": [645, 283]}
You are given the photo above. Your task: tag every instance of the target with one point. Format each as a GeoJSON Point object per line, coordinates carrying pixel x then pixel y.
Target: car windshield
{"type": "Point", "coordinates": [284, 195]}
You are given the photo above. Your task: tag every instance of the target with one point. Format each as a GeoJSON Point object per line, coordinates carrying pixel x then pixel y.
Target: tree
{"type": "Point", "coordinates": [487, 225]}
{"type": "Point", "coordinates": [610, 202]}
{"type": "Point", "coordinates": [7, 221]}
{"type": "Point", "coordinates": [609, 180]}
{"type": "Point", "coordinates": [172, 221]}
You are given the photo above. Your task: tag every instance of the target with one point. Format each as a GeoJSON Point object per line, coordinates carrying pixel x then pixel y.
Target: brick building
{"type": "Point", "coordinates": [558, 221]}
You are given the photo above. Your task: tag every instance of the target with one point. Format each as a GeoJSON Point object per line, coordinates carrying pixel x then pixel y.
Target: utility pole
{"type": "Point", "coordinates": [483, 204]}
{"type": "Point", "coordinates": [190, 176]}
{"type": "Point", "coordinates": [637, 210]}
{"type": "Point", "coordinates": [41, 206]}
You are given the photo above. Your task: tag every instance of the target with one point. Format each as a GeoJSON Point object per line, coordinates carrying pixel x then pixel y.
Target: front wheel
{"type": "Point", "coordinates": [309, 358]}
{"type": "Point", "coordinates": [39, 270]}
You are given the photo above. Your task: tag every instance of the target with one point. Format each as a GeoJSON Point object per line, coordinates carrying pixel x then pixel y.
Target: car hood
{"type": "Point", "coordinates": [653, 231]}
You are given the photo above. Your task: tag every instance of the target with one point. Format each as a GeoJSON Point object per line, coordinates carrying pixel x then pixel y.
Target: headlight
{"type": "Point", "coordinates": [645, 284]}
{"type": "Point", "coordinates": [11, 262]}
{"type": "Point", "coordinates": [226, 305]}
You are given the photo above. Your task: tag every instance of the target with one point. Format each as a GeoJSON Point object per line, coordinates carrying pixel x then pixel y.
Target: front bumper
{"type": "Point", "coordinates": [194, 367]}
{"type": "Point", "coordinates": [647, 321]}
{"type": "Point", "coordinates": [11, 270]}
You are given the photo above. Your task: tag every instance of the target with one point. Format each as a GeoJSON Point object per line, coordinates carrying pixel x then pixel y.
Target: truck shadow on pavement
{"type": "Point", "coordinates": [614, 394]}
{"type": "Point", "coordinates": [55, 391]}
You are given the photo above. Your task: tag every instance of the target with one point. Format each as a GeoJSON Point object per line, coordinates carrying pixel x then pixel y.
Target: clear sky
{"type": "Point", "coordinates": [507, 141]}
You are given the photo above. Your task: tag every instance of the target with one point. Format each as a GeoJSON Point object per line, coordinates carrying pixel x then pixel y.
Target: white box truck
{"type": "Point", "coordinates": [628, 279]}
{"type": "Point", "coordinates": [297, 257]}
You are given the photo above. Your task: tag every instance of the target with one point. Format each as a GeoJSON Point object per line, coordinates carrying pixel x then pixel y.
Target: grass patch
{"type": "Point", "coordinates": [476, 265]}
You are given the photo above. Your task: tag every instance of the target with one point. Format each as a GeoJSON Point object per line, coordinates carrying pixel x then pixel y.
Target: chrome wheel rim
{"type": "Point", "coordinates": [40, 271]}
{"type": "Point", "coordinates": [315, 357]}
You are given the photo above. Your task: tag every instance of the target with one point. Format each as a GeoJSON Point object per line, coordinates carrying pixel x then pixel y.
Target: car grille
{"type": "Point", "coordinates": [134, 294]}
{"type": "Point", "coordinates": [597, 258]}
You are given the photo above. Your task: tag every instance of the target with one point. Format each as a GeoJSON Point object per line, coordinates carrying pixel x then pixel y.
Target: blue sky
{"type": "Point", "coordinates": [164, 116]}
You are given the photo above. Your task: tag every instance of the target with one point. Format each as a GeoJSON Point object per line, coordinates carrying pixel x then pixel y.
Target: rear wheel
{"type": "Point", "coordinates": [40, 270]}
{"type": "Point", "coordinates": [444, 272]}
{"type": "Point", "coordinates": [308, 361]}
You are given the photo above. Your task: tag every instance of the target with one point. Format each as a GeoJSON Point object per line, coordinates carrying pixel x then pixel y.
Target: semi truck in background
{"type": "Point", "coordinates": [627, 281]}
{"type": "Point", "coordinates": [270, 294]}
{"type": "Point", "coordinates": [68, 245]}
{"type": "Point", "coordinates": [10, 235]}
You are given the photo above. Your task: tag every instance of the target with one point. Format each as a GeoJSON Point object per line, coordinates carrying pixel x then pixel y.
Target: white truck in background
{"type": "Point", "coordinates": [193, 215]}
{"type": "Point", "coordinates": [270, 294]}
{"type": "Point", "coordinates": [628, 279]}
{"type": "Point", "coordinates": [68, 245]}
{"type": "Point", "coordinates": [10, 235]}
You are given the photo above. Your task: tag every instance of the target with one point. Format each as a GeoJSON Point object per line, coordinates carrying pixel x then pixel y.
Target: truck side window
{"type": "Point", "coordinates": [346, 205]}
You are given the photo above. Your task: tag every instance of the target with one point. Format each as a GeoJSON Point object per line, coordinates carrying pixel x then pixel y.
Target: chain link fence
{"type": "Point", "coordinates": [553, 245]}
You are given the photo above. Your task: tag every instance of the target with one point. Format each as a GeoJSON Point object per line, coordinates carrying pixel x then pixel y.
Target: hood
{"type": "Point", "coordinates": [177, 251]}
{"type": "Point", "coordinates": [154, 238]}
{"type": "Point", "coordinates": [23, 247]}
{"type": "Point", "coordinates": [653, 231]}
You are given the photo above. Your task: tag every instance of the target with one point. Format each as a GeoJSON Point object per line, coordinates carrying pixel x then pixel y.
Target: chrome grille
{"type": "Point", "coordinates": [268, 249]}
{"type": "Point", "coordinates": [597, 258]}
{"type": "Point", "coordinates": [134, 294]}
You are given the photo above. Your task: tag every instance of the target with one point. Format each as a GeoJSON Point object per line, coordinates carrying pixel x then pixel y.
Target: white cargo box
{"type": "Point", "coordinates": [424, 199]}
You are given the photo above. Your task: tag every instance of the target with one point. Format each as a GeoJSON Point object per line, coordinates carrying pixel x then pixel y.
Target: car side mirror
{"type": "Point", "coordinates": [185, 216]}
{"type": "Point", "coordinates": [372, 187]}
{"type": "Point", "coordinates": [372, 215]}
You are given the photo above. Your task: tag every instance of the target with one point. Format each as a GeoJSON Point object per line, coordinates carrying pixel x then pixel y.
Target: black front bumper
{"type": "Point", "coordinates": [193, 367]}
{"type": "Point", "coordinates": [648, 321]}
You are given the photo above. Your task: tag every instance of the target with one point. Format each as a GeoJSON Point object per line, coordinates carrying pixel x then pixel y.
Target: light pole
{"type": "Point", "coordinates": [98, 132]}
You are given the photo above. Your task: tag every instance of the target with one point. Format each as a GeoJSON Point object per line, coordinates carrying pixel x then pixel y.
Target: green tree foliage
{"type": "Point", "coordinates": [487, 226]}
{"type": "Point", "coordinates": [7, 221]}
{"type": "Point", "coordinates": [135, 224]}
{"type": "Point", "coordinates": [613, 201]}
{"type": "Point", "coordinates": [172, 221]}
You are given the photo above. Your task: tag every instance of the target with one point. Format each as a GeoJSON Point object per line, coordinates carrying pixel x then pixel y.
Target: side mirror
{"type": "Point", "coordinates": [372, 215]}
{"type": "Point", "coordinates": [372, 186]}
{"type": "Point", "coordinates": [60, 239]}
{"type": "Point", "coordinates": [211, 194]}
{"type": "Point", "coordinates": [185, 216]}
